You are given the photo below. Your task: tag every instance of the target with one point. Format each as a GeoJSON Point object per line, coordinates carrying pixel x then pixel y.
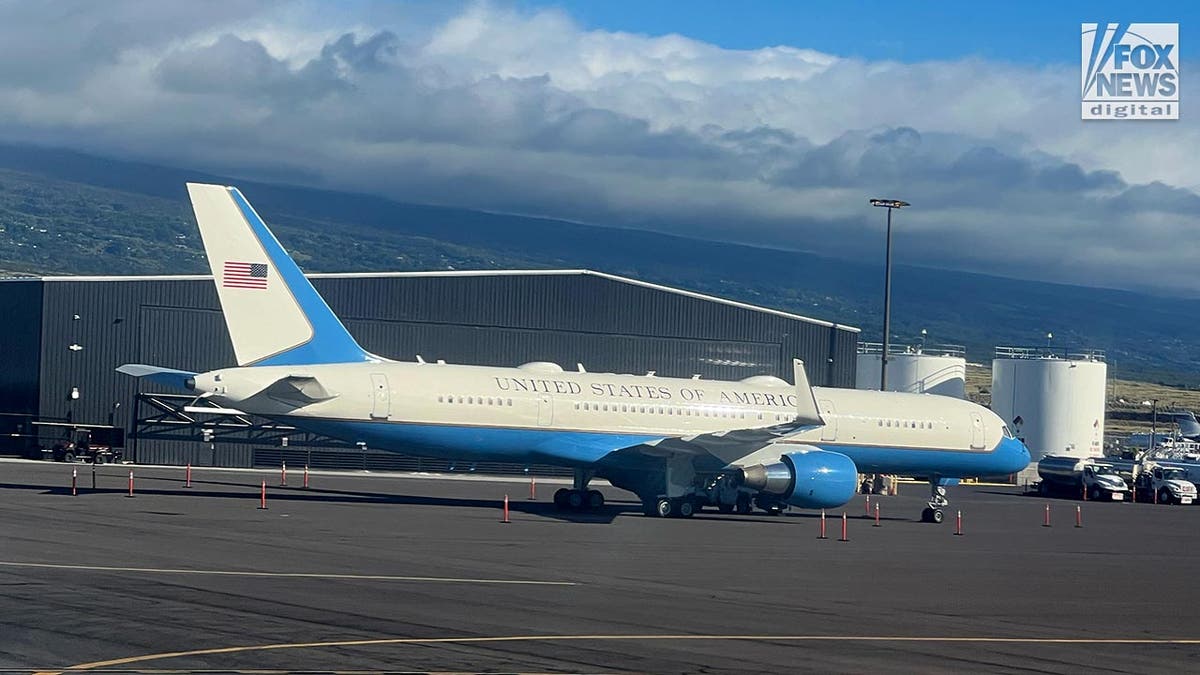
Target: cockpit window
{"type": "Point", "coordinates": [1005, 431]}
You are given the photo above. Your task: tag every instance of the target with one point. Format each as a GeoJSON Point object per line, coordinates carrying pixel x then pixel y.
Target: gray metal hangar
{"type": "Point", "coordinates": [65, 335]}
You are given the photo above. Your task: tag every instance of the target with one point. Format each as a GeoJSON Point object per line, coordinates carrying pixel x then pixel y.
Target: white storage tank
{"type": "Point", "coordinates": [917, 369]}
{"type": "Point", "coordinates": [1055, 403]}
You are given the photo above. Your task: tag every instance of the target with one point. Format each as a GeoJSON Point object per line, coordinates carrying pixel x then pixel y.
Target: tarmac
{"type": "Point", "coordinates": [363, 572]}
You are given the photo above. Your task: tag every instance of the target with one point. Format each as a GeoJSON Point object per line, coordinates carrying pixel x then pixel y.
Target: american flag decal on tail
{"type": "Point", "coordinates": [244, 275]}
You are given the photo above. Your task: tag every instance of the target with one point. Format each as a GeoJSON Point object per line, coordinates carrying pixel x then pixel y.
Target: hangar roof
{"type": "Point", "coordinates": [466, 273]}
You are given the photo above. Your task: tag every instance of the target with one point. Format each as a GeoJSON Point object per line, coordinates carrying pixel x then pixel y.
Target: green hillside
{"type": "Point", "coordinates": [67, 213]}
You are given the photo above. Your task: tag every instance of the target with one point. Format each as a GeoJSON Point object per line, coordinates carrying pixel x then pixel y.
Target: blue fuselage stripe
{"type": "Point", "coordinates": [574, 448]}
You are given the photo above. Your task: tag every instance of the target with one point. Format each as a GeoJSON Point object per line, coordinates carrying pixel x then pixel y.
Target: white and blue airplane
{"type": "Point", "coordinates": [679, 444]}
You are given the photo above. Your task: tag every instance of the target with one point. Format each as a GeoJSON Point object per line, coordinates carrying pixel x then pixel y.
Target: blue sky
{"type": "Point", "coordinates": [1017, 32]}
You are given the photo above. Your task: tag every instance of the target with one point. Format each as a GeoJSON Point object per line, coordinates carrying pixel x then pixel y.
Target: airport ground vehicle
{"type": "Point", "coordinates": [1166, 484]}
{"type": "Point", "coordinates": [1075, 476]}
{"type": "Point", "coordinates": [78, 444]}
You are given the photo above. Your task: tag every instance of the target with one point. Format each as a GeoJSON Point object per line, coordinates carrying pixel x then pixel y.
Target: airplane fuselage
{"type": "Point", "coordinates": [513, 414]}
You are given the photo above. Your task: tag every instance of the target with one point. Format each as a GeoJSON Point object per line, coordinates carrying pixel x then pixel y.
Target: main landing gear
{"type": "Point", "coordinates": [937, 501]}
{"type": "Point", "coordinates": [670, 507]}
{"type": "Point", "coordinates": [578, 500]}
{"type": "Point", "coordinates": [579, 497]}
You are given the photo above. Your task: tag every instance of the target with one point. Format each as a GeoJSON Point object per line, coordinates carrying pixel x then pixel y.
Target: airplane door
{"type": "Point", "coordinates": [829, 431]}
{"type": "Point", "coordinates": [381, 400]}
{"type": "Point", "coordinates": [545, 411]}
{"type": "Point", "coordinates": [976, 432]}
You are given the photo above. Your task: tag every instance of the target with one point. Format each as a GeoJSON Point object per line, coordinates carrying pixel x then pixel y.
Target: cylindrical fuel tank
{"type": "Point", "coordinates": [1055, 405]}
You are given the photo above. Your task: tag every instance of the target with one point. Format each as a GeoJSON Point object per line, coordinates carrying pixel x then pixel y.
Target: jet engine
{"type": "Point", "coordinates": [810, 478]}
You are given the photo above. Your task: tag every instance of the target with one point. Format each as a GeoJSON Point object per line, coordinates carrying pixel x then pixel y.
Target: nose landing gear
{"type": "Point", "coordinates": [937, 501]}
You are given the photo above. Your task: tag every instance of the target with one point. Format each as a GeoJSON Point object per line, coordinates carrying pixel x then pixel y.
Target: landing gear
{"type": "Point", "coordinates": [676, 507]}
{"type": "Point", "coordinates": [773, 507]}
{"type": "Point", "coordinates": [579, 498]}
{"type": "Point", "coordinates": [937, 501]}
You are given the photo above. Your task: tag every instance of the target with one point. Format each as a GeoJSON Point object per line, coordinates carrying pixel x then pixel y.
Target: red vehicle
{"type": "Point", "coordinates": [78, 444]}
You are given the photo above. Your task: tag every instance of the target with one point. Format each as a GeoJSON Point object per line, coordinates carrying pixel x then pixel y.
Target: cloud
{"type": "Point", "coordinates": [486, 106]}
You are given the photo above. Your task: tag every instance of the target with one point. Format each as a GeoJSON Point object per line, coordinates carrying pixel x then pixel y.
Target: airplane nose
{"type": "Point", "coordinates": [1016, 451]}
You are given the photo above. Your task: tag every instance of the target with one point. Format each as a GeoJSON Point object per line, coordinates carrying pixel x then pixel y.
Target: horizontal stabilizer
{"type": "Point", "coordinates": [807, 413]}
{"type": "Point", "coordinates": [165, 376]}
{"type": "Point", "coordinates": [298, 389]}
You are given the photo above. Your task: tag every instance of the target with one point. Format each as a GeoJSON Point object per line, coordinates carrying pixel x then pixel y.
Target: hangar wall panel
{"type": "Point", "coordinates": [610, 324]}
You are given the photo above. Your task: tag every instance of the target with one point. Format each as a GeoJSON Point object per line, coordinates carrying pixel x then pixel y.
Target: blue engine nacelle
{"type": "Point", "coordinates": [811, 478]}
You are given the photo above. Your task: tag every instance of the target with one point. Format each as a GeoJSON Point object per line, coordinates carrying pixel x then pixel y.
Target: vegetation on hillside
{"type": "Point", "coordinates": [67, 213]}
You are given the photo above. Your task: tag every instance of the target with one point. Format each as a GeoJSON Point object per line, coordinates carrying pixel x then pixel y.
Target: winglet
{"type": "Point", "coordinates": [274, 315]}
{"type": "Point", "coordinates": [807, 412]}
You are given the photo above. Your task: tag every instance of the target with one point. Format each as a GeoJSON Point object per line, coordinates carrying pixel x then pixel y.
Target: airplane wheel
{"type": "Point", "coordinates": [595, 499]}
{"type": "Point", "coordinates": [664, 508]}
{"type": "Point", "coordinates": [938, 516]}
{"type": "Point", "coordinates": [744, 507]}
{"type": "Point", "coordinates": [560, 498]}
{"type": "Point", "coordinates": [576, 499]}
{"type": "Point", "coordinates": [685, 508]}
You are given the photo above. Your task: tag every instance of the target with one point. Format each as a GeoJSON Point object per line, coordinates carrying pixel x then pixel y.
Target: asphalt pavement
{"type": "Point", "coordinates": [369, 572]}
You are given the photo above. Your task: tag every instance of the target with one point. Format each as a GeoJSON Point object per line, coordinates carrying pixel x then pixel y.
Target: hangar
{"type": "Point", "coordinates": [67, 334]}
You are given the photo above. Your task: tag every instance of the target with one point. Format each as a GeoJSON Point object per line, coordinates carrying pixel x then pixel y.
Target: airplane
{"type": "Point", "coordinates": [679, 444]}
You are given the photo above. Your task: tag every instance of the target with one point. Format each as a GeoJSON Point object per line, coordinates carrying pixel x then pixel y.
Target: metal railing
{"type": "Point", "coordinates": [1064, 353]}
{"type": "Point", "coordinates": [929, 349]}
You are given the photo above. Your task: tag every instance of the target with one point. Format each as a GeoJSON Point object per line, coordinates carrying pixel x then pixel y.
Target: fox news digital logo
{"type": "Point", "coordinates": [1130, 71]}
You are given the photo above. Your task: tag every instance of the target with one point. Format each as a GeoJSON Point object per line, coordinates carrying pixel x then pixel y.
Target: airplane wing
{"type": "Point", "coordinates": [722, 446]}
{"type": "Point", "coordinates": [733, 444]}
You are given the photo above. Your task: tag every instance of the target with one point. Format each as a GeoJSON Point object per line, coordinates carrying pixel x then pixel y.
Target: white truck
{"type": "Point", "coordinates": [1075, 476]}
{"type": "Point", "coordinates": [1164, 484]}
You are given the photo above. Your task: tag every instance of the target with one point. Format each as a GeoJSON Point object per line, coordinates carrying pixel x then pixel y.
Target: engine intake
{"type": "Point", "coordinates": [810, 479]}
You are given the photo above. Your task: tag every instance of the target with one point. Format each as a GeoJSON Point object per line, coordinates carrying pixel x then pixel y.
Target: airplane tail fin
{"type": "Point", "coordinates": [274, 315]}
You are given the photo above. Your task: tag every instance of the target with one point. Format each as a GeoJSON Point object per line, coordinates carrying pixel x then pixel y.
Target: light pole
{"type": "Point", "coordinates": [1153, 425]}
{"type": "Point", "coordinates": [888, 204]}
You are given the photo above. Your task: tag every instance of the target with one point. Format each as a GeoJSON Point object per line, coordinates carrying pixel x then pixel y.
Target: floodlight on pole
{"type": "Point", "coordinates": [888, 204]}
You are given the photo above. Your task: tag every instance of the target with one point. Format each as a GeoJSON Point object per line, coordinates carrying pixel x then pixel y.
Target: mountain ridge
{"type": "Point", "coordinates": [90, 215]}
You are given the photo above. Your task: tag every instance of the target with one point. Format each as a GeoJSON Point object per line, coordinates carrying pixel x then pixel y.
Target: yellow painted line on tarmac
{"type": "Point", "coordinates": [628, 638]}
{"type": "Point", "coordinates": [290, 575]}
